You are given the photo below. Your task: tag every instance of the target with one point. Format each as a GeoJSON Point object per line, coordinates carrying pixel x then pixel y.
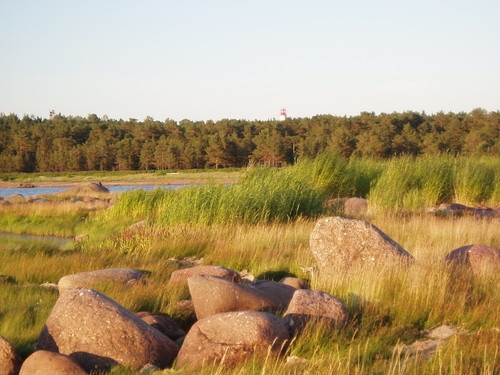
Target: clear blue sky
{"type": "Point", "coordinates": [216, 59]}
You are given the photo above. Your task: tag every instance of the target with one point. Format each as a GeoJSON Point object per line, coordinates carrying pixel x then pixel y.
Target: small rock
{"type": "Point", "coordinates": [313, 305]}
{"type": "Point", "coordinates": [355, 207]}
{"type": "Point", "coordinates": [185, 262]}
{"type": "Point", "coordinates": [90, 279]}
{"type": "Point", "coordinates": [442, 332]}
{"type": "Point", "coordinates": [181, 276]}
{"type": "Point", "coordinates": [480, 259]}
{"type": "Point", "coordinates": [295, 282]}
{"type": "Point", "coordinates": [81, 237]}
{"type": "Point", "coordinates": [163, 324]}
{"type": "Point", "coordinates": [15, 198]}
{"type": "Point", "coordinates": [246, 277]}
{"type": "Point", "coordinates": [43, 362]}
{"type": "Point", "coordinates": [184, 307]}
{"type": "Point", "coordinates": [149, 369]}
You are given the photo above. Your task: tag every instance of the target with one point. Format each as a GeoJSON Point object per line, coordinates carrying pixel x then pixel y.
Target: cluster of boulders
{"type": "Point", "coordinates": [236, 318]}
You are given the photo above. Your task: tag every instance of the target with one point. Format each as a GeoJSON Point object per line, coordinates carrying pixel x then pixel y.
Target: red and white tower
{"type": "Point", "coordinates": [283, 114]}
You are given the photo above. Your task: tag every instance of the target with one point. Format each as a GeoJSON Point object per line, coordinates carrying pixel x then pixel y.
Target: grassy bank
{"type": "Point", "coordinates": [387, 309]}
{"type": "Point", "coordinates": [128, 176]}
{"type": "Point", "coordinates": [262, 224]}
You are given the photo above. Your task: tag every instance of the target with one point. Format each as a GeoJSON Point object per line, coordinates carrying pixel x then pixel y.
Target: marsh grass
{"type": "Point", "coordinates": [263, 195]}
{"type": "Point", "coordinates": [415, 184]}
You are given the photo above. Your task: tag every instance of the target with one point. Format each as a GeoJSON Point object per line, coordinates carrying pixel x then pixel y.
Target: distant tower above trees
{"type": "Point", "coordinates": [283, 114]}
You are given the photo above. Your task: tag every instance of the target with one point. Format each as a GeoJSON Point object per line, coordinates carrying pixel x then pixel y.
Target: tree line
{"type": "Point", "coordinates": [68, 143]}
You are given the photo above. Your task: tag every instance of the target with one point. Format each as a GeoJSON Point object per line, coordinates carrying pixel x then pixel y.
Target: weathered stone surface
{"type": "Point", "coordinates": [181, 276]}
{"type": "Point", "coordinates": [479, 259]}
{"type": "Point", "coordinates": [443, 332]}
{"type": "Point", "coordinates": [15, 198]}
{"type": "Point", "coordinates": [230, 338]}
{"type": "Point", "coordinates": [457, 209]}
{"type": "Point", "coordinates": [90, 279]}
{"type": "Point", "coordinates": [212, 295]}
{"type": "Point", "coordinates": [308, 305]}
{"type": "Point", "coordinates": [295, 282]}
{"type": "Point", "coordinates": [280, 293]}
{"type": "Point", "coordinates": [9, 360]}
{"type": "Point", "coordinates": [350, 206]}
{"type": "Point", "coordinates": [163, 324]}
{"type": "Point", "coordinates": [98, 333]}
{"type": "Point", "coordinates": [338, 244]}
{"type": "Point", "coordinates": [43, 362]}
{"type": "Point", "coordinates": [93, 189]}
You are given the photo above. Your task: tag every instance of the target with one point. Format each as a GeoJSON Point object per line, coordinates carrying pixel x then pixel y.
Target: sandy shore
{"type": "Point", "coordinates": [4, 184]}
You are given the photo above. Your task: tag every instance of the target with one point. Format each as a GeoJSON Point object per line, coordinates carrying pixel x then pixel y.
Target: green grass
{"type": "Point", "coordinates": [412, 185]}
{"type": "Point", "coordinates": [263, 224]}
{"type": "Point", "coordinates": [263, 195]}
{"type": "Point", "coordinates": [387, 308]}
{"type": "Point", "coordinates": [232, 173]}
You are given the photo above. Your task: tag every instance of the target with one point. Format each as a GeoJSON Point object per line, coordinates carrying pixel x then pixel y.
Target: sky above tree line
{"type": "Point", "coordinates": [217, 59]}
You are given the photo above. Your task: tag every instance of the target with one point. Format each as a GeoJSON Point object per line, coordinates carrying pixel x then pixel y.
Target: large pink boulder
{"type": "Point", "coordinates": [339, 244]}
{"type": "Point", "coordinates": [212, 295]}
{"type": "Point", "coordinates": [231, 338]}
{"type": "Point", "coordinates": [98, 333]}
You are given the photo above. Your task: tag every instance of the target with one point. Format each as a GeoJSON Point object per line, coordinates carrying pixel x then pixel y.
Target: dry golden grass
{"type": "Point", "coordinates": [388, 307]}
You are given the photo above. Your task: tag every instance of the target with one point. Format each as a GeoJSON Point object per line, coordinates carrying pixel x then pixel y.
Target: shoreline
{"type": "Point", "coordinates": [6, 184]}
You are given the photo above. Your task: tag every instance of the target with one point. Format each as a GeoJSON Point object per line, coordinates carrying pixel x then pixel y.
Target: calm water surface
{"type": "Point", "coordinates": [31, 192]}
{"type": "Point", "coordinates": [13, 241]}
